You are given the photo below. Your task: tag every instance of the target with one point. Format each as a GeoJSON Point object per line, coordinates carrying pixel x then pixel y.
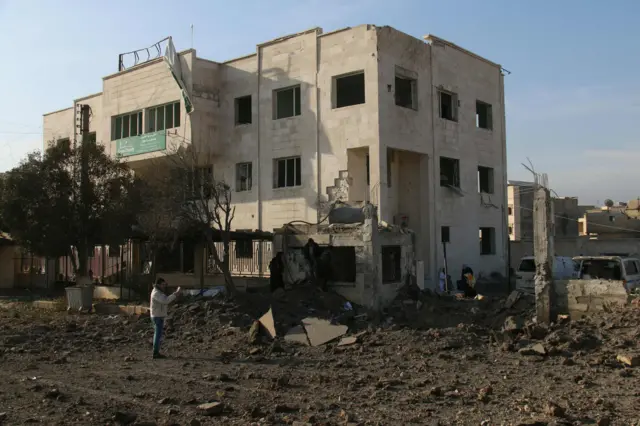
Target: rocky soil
{"type": "Point", "coordinates": [427, 360]}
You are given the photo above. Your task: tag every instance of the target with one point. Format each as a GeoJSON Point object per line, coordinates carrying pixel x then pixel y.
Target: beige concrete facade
{"type": "Point", "coordinates": [401, 145]}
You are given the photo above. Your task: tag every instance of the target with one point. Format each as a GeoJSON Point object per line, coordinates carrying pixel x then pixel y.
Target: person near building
{"type": "Point", "coordinates": [159, 307]}
{"type": "Point", "coordinates": [276, 268]}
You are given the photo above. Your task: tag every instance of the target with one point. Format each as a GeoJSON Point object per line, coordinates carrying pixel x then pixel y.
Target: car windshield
{"type": "Point", "coordinates": [602, 268]}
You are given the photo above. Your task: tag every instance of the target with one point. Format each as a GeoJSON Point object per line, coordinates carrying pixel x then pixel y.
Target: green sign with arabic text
{"type": "Point", "coordinates": [142, 144]}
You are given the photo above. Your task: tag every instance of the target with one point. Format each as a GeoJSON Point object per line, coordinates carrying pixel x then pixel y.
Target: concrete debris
{"type": "Point", "coordinates": [297, 335]}
{"type": "Point", "coordinates": [211, 408]}
{"type": "Point", "coordinates": [513, 324]}
{"type": "Point", "coordinates": [512, 299]}
{"type": "Point", "coordinates": [346, 341]}
{"type": "Point", "coordinates": [268, 323]}
{"type": "Point", "coordinates": [254, 332]}
{"type": "Point", "coordinates": [554, 410]}
{"type": "Point", "coordinates": [536, 349]}
{"type": "Point", "coordinates": [629, 360]}
{"type": "Point", "coordinates": [321, 331]}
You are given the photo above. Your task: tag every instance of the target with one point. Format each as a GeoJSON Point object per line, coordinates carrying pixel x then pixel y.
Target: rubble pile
{"type": "Point", "coordinates": [308, 357]}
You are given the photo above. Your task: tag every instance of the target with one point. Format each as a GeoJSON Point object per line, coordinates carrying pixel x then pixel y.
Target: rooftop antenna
{"type": "Point", "coordinates": [192, 36]}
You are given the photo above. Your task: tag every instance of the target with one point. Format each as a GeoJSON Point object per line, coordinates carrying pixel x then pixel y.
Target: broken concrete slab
{"type": "Point", "coordinates": [346, 341]}
{"type": "Point", "coordinates": [211, 408]}
{"type": "Point", "coordinates": [537, 349]}
{"type": "Point", "coordinates": [268, 323]}
{"type": "Point", "coordinates": [321, 331]}
{"type": "Point", "coordinates": [297, 335]}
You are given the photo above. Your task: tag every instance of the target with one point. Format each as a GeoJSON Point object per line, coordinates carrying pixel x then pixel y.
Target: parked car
{"type": "Point", "coordinates": [563, 268]}
{"type": "Point", "coordinates": [616, 268]}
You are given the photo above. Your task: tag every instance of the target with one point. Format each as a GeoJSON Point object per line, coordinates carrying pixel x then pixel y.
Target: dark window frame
{"type": "Point", "coordinates": [391, 254]}
{"type": "Point", "coordinates": [282, 177]}
{"type": "Point", "coordinates": [281, 111]}
{"type": "Point", "coordinates": [241, 116]}
{"type": "Point", "coordinates": [244, 181]}
{"type": "Point", "coordinates": [456, 172]}
{"type": "Point", "coordinates": [345, 100]}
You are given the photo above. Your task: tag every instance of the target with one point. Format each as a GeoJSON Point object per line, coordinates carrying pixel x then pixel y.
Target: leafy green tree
{"type": "Point", "coordinates": [67, 200]}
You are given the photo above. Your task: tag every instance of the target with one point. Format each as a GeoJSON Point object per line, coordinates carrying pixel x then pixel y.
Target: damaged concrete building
{"type": "Point", "coordinates": [364, 114]}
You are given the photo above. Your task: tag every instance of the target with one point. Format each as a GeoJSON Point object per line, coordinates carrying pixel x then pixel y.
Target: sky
{"type": "Point", "coordinates": [572, 98]}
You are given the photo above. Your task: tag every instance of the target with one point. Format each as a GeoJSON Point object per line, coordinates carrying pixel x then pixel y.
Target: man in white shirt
{"type": "Point", "coordinates": [159, 306]}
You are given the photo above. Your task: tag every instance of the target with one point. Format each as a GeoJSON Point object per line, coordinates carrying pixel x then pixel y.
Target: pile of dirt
{"type": "Point", "coordinates": [434, 360]}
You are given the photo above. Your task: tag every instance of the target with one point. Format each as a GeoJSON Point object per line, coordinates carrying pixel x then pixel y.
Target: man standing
{"type": "Point", "coordinates": [159, 305]}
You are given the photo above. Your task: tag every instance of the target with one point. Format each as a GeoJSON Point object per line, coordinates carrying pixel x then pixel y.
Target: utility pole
{"type": "Point", "coordinates": [82, 129]}
{"type": "Point", "coordinates": [543, 250]}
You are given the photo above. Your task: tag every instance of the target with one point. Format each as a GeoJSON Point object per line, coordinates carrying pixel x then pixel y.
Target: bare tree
{"type": "Point", "coordinates": [190, 200]}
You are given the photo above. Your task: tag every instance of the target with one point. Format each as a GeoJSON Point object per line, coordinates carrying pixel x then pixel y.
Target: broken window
{"type": "Point", "coordinates": [126, 125]}
{"type": "Point", "coordinates": [445, 234]}
{"type": "Point", "coordinates": [244, 174]}
{"type": "Point", "coordinates": [391, 264]}
{"type": "Point", "coordinates": [448, 106]}
{"type": "Point", "coordinates": [349, 90]}
{"type": "Point", "coordinates": [287, 172]}
{"type": "Point", "coordinates": [484, 117]}
{"type": "Point", "coordinates": [243, 110]}
{"type": "Point", "coordinates": [343, 264]}
{"type": "Point", "coordinates": [510, 210]}
{"type": "Point", "coordinates": [163, 117]}
{"type": "Point", "coordinates": [449, 172]}
{"type": "Point", "coordinates": [406, 95]}
{"type": "Point", "coordinates": [287, 102]}
{"type": "Point", "coordinates": [487, 240]}
{"type": "Point", "coordinates": [485, 180]}
{"type": "Point", "coordinates": [244, 249]}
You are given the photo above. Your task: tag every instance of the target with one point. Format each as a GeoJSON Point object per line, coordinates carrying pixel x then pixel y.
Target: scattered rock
{"type": "Point", "coordinates": [604, 421]}
{"type": "Point", "coordinates": [52, 394]}
{"type": "Point", "coordinates": [513, 324]}
{"type": "Point", "coordinates": [554, 410]}
{"type": "Point", "coordinates": [435, 391]}
{"type": "Point", "coordinates": [211, 408]}
{"type": "Point", "coordinates": [124, 418]}
{"type": "Point", "coordinates": [172, 411]}
{"type": "Point", "coordinates": [629, 360]}
{"type": "Point", "coordinates": [286, 408]}
{"type": "Point", "coordinates": [128, 359]}
{"type": "Point", "coordinates": [536, 349]}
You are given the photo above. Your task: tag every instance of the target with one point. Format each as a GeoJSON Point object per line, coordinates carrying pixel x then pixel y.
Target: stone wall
{"type": "Point", "coordinates": [579, 297]}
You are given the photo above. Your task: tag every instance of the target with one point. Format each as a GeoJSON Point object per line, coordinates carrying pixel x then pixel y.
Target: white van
{"type": "Point", "coordinates": [563, 268]}
{"type": "Point", "coordinates": [616, 268]}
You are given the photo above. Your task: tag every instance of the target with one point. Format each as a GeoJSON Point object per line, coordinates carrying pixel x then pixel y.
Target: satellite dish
{"type": "Point", "coordinates": [608, 203]}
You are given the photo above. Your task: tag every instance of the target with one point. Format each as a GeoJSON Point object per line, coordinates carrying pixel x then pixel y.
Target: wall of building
{"type": "Point", "coordinates": [58, 125]}
{"type": "Point", "coordinates": [426, 136]}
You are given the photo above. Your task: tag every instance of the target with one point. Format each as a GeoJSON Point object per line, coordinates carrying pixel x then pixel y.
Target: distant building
{"type": "Point", "coordinates": [566, 212]}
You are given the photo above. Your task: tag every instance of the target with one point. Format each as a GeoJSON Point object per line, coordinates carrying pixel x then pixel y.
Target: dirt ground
{"type": "Point", "coordinates": [427, 360]}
